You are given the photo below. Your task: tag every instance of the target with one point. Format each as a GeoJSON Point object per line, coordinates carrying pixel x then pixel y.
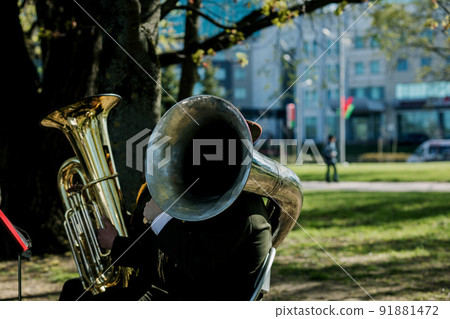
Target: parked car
{"type": "Point", "coordinates": [431, 150]}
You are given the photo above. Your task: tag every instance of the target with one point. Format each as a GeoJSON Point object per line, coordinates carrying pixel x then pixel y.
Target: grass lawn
{"type": "Point", "coordinates": [396, 246]}
{"type": "Point", "coordinates": [378, 172]}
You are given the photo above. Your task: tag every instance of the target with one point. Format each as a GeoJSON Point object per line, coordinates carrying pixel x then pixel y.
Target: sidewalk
{"type": "Point", "coordinates": [378, 186]}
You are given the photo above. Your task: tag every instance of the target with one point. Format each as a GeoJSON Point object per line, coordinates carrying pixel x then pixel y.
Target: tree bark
{"type": "Point", "coordinates": [27, 199]}
{"type": "Point", "coordinates": [189, 75]}
{"type": "Point", "coordinates": [130, 67]}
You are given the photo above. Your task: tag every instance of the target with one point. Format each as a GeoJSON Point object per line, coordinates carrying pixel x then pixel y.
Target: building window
{"type": "Point", "coordinates": [359, 42]}
{"type": "Point", "coordinates": [315, 97]}
{"type": "Point", "coordinates": [358, 93]}
{"type": "Point", "coordinates": [329, 96]}
{"type": "Point", "coordinates": [315, 47]}
{"type": "Point", "coordinates": [360, 128]}
{"type": "Point", "coordinates": [329, 45]}
{"type": "Point", "coordinates": [375, 67]}
{"type": "Point", "coordinates": [329, 72]}
{"type": "Point", "coordinates": [425, 61]}
{"type": "Point", "coordinates": [333, 73]}
{"type": "Point", "coordinates": [221, 74]}
{"type": "Point", "coordinates": [239, 74]}
{"type": "Point", "coordinates": [402, 65]}
{"type": "Point", "coordinates": [311, 127]}
{"type": "Point", "coordinates": [306, 48]}
{"type": "Point", "coordinates": [308, 99]}
{"type": "Point", "coordinates": [374, 43]}
{"type": "Point", "coordinates": [240, 93]}
{"type": "Point", "coordinates": [331, 125]}
{"type": "Point", "coordinates": [359, 68]}
{"type": "Point", "coordinates": [376, 93]}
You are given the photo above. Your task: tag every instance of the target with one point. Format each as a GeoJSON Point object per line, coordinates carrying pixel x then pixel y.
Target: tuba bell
{"type": "Point", "coordinates": [89, 188]}
{"type": "Point", "coordinates": [192, 190]}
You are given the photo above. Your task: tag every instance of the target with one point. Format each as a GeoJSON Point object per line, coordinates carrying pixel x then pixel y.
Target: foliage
{"type": "Point", "coordinates": [169, 81]}
{"type": "Point", "coordinates": [210, 85]}
{"type": "Point", "coordinates": [420, 25]}
{"type": "Point", "coordinates": [384, 157]}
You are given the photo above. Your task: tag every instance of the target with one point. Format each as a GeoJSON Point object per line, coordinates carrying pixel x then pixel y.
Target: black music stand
{"type": "Point", "coordinates": [24, 245]}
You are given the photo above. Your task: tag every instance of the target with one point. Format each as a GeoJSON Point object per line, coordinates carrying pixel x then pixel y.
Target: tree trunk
{"type": "Point", "coordinates": [189, 75]}
{"type": "Point", "coordinates": [26, 198]}
{"type": "Point", "coordinates": [129, 67]}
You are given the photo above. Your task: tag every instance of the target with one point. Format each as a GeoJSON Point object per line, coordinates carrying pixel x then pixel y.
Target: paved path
{"type": "Point", "coordinates": [379, 186]}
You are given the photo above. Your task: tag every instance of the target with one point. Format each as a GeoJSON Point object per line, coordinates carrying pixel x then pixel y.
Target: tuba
{"type": "Point", "coordinates": [192, 190]}
{"type": "Point", "coordinates": [89, 188]}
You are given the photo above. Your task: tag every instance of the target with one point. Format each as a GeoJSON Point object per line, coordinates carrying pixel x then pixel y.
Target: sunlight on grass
{"type": "Point", "coordinates": [395, 245]}
{"type": "Point", "coordinates": [378, 172]}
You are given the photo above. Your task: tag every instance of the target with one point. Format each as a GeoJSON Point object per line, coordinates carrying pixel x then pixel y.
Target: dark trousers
{"type": "Point", "coordinates": [335, 175]}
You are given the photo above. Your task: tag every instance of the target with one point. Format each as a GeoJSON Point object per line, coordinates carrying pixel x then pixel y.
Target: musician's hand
{"type": "Point", "coordinates": [106, 235]}
{"type": "Point", "coordinates": [151, 211]}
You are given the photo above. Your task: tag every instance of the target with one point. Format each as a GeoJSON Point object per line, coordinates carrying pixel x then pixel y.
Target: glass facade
{"type": "Point", "coordinates": [360, 129]}
{"type": "Point", "coordinates": [409, 91]}
{"type": "Point", "coordinates": [364, 128]}
{"type": "Point", "coordinates": [419, 122]}
{"type": "Point", "coordinates": [446, 123]}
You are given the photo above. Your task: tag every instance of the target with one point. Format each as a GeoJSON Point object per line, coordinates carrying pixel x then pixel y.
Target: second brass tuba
{"type": "Point", "coordinates": [89, 188]}
{"type": "Point", "coordinates": [193, 191]}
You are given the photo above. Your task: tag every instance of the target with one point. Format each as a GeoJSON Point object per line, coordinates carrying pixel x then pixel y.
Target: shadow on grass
{"type": "Point", "coordinates": [382, 279]}
{"type": "Point", "coordinates": [382, 246]}
{"type": "Point", "coordinates": [36, 296]}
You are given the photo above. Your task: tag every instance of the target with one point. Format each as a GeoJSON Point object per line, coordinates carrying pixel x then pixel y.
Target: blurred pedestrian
{"type": "Point", "coordinates": [330, 156]}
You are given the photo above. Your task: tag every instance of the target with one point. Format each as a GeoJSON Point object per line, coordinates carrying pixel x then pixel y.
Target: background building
{"type": "Point", "coordinates": [389, 102]}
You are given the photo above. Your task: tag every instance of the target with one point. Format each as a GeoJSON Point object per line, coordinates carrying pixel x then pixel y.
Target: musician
{"type": "Point", "coordinates": [213, 259]}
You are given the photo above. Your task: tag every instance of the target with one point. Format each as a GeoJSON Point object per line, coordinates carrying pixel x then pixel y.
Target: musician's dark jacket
{"type": "Point", "coordinates": [215, 259]}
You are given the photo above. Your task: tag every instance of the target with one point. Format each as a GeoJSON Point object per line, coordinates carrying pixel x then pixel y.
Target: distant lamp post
{"type": "Point", "coordinates": [342, 90]}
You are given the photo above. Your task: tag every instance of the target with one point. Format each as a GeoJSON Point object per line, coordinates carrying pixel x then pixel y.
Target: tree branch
{"type": "Point", "coordinates": [206, 17]}
{"type": "Point", "coordinates": [166, 7]}
{"type": "Point", "coordinates": [442, 6]}
{"type": "Point", "coordinates": [248, 25]}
